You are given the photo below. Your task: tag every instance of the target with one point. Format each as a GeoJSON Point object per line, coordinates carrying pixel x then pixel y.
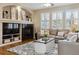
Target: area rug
{"type": "Point", "coordinates": [28, 49]}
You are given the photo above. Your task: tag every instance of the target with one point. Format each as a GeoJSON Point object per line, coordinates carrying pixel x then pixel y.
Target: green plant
{"type": "Point", "coordinates": [45, 35]}
{"type": "Point", "coordinates": [77, 31]}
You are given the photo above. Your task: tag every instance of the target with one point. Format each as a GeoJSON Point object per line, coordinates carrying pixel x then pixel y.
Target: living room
{"type": "Point", "coordinates": [60, 21]}
{"type": "Point", "coordinates": [39, 28]}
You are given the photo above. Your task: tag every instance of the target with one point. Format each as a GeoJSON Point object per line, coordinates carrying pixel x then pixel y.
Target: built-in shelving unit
{"type": "Point", "coordinates": [11, 31]}
{"type": "Point", "coordinates": [10, 16]}
{"type": "Point", "coordinates": [16, 12]}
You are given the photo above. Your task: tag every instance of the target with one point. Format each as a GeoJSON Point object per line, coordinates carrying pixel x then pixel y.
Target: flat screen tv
{"type": "Point", "coordinates": [7, 28]}
{"type": "Point", "coordinates": [10, 28]}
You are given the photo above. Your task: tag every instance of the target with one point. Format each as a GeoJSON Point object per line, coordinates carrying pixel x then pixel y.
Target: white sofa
{"type": "Point", "coordinates": [68, 48]}
{"type": "Point", "coordinates": [70, 38]}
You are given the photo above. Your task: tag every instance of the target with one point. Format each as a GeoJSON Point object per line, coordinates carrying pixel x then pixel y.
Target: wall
{"type": "Point", "coordinates": [36, 21]}
{"type": "Point", "coordinates": [36, 15]}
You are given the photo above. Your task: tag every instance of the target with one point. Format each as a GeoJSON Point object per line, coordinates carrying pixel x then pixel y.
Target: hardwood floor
{"type": "Point", "coordinates": [3, 50]}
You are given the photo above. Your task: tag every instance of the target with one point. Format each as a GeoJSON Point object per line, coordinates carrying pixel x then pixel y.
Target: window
{"type": "Point", "coordinates": [71, 17]}
{"type": "Point", "coordinates": [45, 21]}
{"type": "Point", "coordinates": [54, 21]}
{"type": "Point", "coordinates": [75, 14]}
{"type": "Point", "coordinates": [76, 18]}
{"type": "Point", "coordinates": [57, 20]}
{"type": "Point", "coordinates": [60, 20]}
{"type": "Point", "coordinates": [68, 19]}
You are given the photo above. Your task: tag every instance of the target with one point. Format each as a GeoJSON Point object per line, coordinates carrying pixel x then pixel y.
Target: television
{"type": "Point", "coordinates": [7, 28]}
{"type": "Point", "coordinates": [10, 28]}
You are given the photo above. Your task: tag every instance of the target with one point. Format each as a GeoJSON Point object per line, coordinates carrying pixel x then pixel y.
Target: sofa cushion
{"type": "Point", "coordinates": [61, 34]}
{"type": "Point", "coordinates": [53, 32]}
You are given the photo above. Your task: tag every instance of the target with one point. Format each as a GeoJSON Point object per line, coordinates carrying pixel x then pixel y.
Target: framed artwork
{"type": "Point", "coordinates": [7, 12]}
{"type": "Point", "coordinates": [23, 15]}
{"type": "Point", "coordinates": [13, 12]}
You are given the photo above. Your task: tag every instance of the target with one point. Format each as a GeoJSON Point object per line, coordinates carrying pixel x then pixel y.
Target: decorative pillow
{"type": "Point", "coordinates": [53, 32]}
{"type": "Point", "coordinates": [42, 32]}
{"type": "Point", "coordinates": [60, 33]}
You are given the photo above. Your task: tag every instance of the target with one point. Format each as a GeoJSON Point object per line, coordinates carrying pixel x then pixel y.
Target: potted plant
{"type": "Point", "coordinates": [45, 37]}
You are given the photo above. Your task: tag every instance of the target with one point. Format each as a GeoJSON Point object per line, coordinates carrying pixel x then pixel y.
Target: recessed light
{"type": "Point", "coordinates": [48, 4]}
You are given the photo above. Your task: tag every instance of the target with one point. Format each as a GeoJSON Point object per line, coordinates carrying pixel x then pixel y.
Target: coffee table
{"type": "Point", "coordinates": [43, 47]}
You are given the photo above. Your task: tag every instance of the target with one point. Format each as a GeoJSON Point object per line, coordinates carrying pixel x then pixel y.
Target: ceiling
{"type": "Point", "coordinates": [34, 6]}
